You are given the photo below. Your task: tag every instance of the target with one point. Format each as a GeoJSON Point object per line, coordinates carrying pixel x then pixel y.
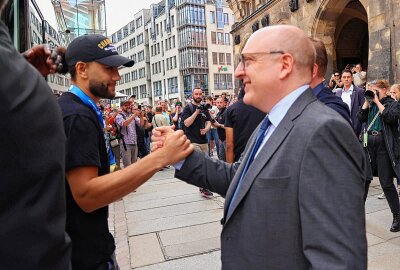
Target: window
{"type": "Point", "coordinates": [213, 37]}
{"type": "Point", "coordinates": [134, 91]}
{"type": "Point", "coordinates": [172, 21]}
{"type": "Point", "coordinates": [221, 58]}
{"type": "Point", "coordinates": [173, 42]}
{"type": "Point", "coordinates": [143, 92]}
{"type": "Point", "coordinates": [125, 46]}
{"type": "Point", "coordinates": [223, 81]}
{"type": "Point", "coordinates": [142, 73]}
{"type": "Point", "coordinates": [227, 39]}
{"type": "Point", "coordinates": [215, 58]}
{"type": "Point", "coordinates": [212, 17]}
{"type": "Point", "coordinates": [140, 56]}
{"type": "Point", "coordinates": [132, 43]}
{"type": "Point", "coordinates": [220, 38]}
{"type": "Point", "coordinates": [226, 19]}
{"type": "Point", "coordinates": [127, 77]}
{"type": "Point", "coordinates": [139, 39]}
{"type": "Point", "coordinates": [119, 49]}
{"type": "Point", "coordinates": [173, 85]}
{"type": "Point", "coordinates": [228, 59]}
{"type": "Point", "coordinates": [157, 88]}
{"type": "Point", "coordinates": [119, 35]}
{"type": "Point", "coordinates": [174, 62]}
{"type": "Point", "coordinates": [139, 22]}
{"type": "Point", "coordinates": [126, 31]}
{"type": "Point", "coordinates": [132, 26]}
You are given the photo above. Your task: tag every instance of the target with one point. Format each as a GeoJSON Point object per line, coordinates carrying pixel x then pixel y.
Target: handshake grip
{"type": "Point", "coordinates": [58, 57]}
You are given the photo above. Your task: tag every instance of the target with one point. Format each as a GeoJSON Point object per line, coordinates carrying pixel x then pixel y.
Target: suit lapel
{"type": "Point", "coordinates": [265, 154]}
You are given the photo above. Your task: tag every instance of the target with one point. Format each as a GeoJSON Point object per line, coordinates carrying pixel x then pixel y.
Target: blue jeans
{"type": "Point", "coordinates": [147, 141]}
{"type": "Point", "coordinates": [212, 134]}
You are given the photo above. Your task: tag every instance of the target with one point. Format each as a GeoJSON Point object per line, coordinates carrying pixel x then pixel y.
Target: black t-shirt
{"type": "Point", "coordinates": [32, 168]}
{"type": "Point", "coordinates": [243, 119]}
{"type": "Point", "coordinates": [220, 118]}
{"type": "Point", "coordinates": [149, 117]}
{"type": "Point", "coordinates": [92, 243]}
{"type": "Point", "coordinates": [193, 131]}
{"type": "Point", "coordinates": [178, 124]}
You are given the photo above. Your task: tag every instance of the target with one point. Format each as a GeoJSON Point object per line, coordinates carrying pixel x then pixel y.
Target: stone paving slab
{"type": "Point", "coordinates": [145, 250]}
{"type": "Point", "coordinates": [160, 224]}
{"type": "Point", "coordinates": [192, 248]}
{"type": "Point", "coordinates": [174, 189]}
{"type": "Point", "coordinates": [172, 210]}
{"type": "Point", "coordinates": [209, 261]}
{"type": "Point", "coordinates": [189, 234]}
{"type": "Point", "coordinates": [378, 224]}
{"type": "Point", "coordinates": [175, 200]}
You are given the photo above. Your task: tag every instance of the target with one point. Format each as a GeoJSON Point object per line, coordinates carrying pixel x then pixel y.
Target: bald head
{"type": "Point", "coordinates": [275, 61]}
{"type": "Point", "coordinates": [289, 39]}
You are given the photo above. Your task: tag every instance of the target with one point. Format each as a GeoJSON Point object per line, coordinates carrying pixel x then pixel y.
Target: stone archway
{"type": "Point", "coordinates": [343, 26]}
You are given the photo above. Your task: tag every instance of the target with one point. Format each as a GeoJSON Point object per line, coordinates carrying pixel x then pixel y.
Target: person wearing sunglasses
{"type": "Point", "coordinates": [335, 81]}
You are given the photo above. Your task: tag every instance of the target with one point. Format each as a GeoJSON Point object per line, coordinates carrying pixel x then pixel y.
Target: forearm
{"type": "Point", "coordinates": [128, 120]}
{"type": "Point", "coordinates": [208, 126]}
{"type": "Point", "coordinates": [103, 190]}
{"type": "Point", "coordinates": [189, 121]}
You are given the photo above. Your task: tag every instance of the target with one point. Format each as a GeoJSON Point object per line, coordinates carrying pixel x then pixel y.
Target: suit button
{"type": "Point", "coordinates": [228, 238]}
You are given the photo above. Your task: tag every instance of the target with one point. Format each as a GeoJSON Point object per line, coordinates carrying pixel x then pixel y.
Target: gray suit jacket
{"type": "Point", "coordinates": [301, 203]}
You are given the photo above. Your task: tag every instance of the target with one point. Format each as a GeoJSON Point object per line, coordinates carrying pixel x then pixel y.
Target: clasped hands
{"type": "Point", "coordinates": [46, 61]}
{"type": "Point", "coordinates": [172, 146]}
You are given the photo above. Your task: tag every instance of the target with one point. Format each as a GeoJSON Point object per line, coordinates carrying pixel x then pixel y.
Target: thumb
{"type": "Point", "coordinates": [165, 129]}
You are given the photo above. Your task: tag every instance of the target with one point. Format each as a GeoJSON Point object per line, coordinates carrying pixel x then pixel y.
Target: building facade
{"type": "Point", "coordinates": [186, 44]}
{"type": "Point", "coordinates": [353, 31]}
{"type": "Point", "coordinates": [79, 17]}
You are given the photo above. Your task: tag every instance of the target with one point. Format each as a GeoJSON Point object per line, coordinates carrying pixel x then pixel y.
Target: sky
{"type": "Point", "coordinates": [118, 12]}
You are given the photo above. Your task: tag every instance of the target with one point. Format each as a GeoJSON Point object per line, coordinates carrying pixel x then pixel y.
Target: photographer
{"type": "Point", "coordinates": [335, 82]}
{"type": "Point", "coordinates": [197, 122]}
{"type": "Point", "coordinates": [381, 113]}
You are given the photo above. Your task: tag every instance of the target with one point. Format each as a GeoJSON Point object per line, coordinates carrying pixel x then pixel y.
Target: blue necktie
{"type": "Point", "coordinates": [260, 137]}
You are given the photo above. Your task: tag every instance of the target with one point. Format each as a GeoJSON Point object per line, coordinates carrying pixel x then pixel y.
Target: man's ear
{"type": "Point", "coordinates": [81, 70]}
{"type": "Point", "coordinates": [287, 62]}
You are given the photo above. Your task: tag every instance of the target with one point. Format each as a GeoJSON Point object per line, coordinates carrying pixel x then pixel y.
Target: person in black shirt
{"type": "Point", "coordinates": [93, 63]}
{"type": "Point", "coordinates": [177, 116]}
{"type": "Point", "coordinates": [32, 167]}
{"type": "Point", "coordinates": [149, 126]}
{"type": "Point", "coordinates": [219, 124]}
{"type": "Point", "coordinates": [197, 123]}
{"type": "Point", "coordinates": [240, 122]}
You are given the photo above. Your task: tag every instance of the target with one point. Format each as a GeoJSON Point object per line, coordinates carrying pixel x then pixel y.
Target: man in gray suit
{"type": "Point", "coordinates": [294, 200]}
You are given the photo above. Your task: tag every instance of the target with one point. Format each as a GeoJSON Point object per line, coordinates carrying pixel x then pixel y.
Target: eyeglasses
{"type": "Point", "coordinates": [247, 58]}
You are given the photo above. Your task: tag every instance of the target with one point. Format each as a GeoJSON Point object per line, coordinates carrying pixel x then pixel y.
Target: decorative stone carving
{"type": "Point", "coordinates": [237, 39]}
{"type": "Point", "coordinates": [294, 5]}
{"type": "Point", "coordinates": [255, 26]}
{"type": "Point", "coordinates": [265, 21]}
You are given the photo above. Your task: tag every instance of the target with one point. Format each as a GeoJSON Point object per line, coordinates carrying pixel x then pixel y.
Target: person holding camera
{"type": "Point", "coordinates": [381, 113]}
{"type": "Point", "coordinates": [335, 81]}
{"type": "Point", "coordinates": [197, 122]}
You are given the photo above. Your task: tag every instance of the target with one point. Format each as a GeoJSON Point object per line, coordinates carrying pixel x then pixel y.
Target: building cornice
{"type": "Point", "coordinates": [236, 26]}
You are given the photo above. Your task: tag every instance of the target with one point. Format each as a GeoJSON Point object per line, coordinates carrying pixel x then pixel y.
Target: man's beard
{"type": "Point", "coordinates": [197, 100]}
{"type": "Point", "coordinates": [100, 90]}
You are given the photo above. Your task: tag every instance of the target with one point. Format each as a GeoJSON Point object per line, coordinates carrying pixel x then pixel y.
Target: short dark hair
{"type": "Point", "coordinates": [322, 56]}
{"type": "Point", "coordinates": [72, 71]}
{"type": "Point", "coordinates": [347, 71]}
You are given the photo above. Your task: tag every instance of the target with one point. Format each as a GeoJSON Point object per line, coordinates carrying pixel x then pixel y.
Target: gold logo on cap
{"type": "Point", "coordinates": [104, 43]}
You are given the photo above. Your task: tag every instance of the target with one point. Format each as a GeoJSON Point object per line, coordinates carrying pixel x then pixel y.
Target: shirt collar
{"type": "Point", "coordinates": [348, 91]}
{"type": "Point", "coordinates": [281, 108]}
{"type": "Point", "coordinates": [317, 89]}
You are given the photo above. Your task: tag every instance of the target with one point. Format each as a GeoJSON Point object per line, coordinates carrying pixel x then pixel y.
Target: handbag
{"type": "Point", "coordinates": [114, 143]}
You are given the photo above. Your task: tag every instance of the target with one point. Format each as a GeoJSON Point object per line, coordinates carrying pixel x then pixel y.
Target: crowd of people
{"type": "Point", "coordinates": [290, 163]}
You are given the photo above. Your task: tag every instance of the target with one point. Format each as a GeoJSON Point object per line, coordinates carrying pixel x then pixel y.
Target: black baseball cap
{"type": "Point", "coordinates": [95, 48]}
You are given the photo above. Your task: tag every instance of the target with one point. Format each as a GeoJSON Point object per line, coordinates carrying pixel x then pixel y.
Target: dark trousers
{"type": "Point", "coordinates": [380, 163]}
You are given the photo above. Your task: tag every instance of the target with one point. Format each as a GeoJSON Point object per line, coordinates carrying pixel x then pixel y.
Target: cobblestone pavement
{"type": "Point", "coordinates": [167, 224]}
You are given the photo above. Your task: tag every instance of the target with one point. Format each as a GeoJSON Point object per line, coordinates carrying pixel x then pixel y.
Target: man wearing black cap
{"type": "Point", "coordinates": [93, 64]}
